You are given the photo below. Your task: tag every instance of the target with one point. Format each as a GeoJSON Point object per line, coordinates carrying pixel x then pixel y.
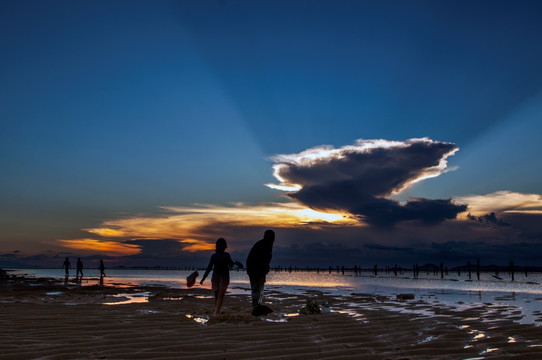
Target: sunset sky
{"type": "Point", "coordinates": [362, 132]}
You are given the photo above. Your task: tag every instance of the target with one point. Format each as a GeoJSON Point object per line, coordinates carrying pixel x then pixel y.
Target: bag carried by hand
{"type": "Point", "coordinates": [191, 279]}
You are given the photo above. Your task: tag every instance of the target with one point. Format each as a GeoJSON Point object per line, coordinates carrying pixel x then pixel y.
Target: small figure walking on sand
{"type": "Point", "coordinates": [102, 269]}
{"type": "Point", "coordinates": [258, 261]}
{"type": "Point", "coordinates": [79, 268]}
{"type": "Point", "coordinates": [221, 262]}
{"type": "Point", "coordinates": [67, 266]}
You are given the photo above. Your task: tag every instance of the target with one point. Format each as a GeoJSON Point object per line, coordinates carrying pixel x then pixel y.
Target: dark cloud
{"type": "Point", "coordinates": [488, 219]}
{"type": "Point", "coordinates": [387, 248]}
{"type": "Point", "coordinates": [359, 179]}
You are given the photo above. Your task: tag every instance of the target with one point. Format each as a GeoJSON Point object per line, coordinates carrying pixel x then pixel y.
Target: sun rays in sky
{"type": "Point", "coordinates": [368, 128]}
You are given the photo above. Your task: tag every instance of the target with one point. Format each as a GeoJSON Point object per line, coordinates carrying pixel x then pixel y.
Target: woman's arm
{"type": "Point", "coordinates": [208, 270]}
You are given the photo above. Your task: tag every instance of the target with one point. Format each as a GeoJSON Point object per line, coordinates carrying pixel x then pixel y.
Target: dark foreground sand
{"type": "Point", "coordinates": [43, 319]}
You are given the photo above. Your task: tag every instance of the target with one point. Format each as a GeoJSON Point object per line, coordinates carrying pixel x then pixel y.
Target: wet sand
{"type": "Point", "coordinates": [47, 319]}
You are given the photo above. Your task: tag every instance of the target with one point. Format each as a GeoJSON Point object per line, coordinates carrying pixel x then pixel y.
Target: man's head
{"type": "Point", "coordinates": [269, 235]}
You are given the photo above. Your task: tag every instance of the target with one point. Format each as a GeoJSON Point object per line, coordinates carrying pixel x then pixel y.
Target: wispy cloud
{"type": "Point", "coordinates": [358, 179]}
{"type": "Point", "coordinates": [503, 201]}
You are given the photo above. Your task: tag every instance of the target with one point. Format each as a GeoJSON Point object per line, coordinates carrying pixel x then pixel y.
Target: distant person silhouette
{"type": "Point", "coordinates": [258, 261]}
{"type": "Point", "coordinates": [102, 269]}
{"type": "Point", "coordinates": [221, 262]}
{"type": "Point", "coordinates": [79, 268]}
{"type": "Point", "coordinates": [67, 266]}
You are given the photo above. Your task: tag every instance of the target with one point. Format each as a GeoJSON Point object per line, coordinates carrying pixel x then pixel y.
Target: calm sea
{"type": "Point", "coordinates": [523, 294]}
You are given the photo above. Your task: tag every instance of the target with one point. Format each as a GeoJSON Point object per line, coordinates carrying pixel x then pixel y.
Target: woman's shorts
{"type": "Point", "coordinates": [220, 283]}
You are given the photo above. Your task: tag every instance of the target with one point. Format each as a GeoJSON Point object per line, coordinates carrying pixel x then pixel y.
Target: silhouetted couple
{"type": "Point", "coordinates": [258, 262]}
{"type": "Point", "coordinates": [67, 265]}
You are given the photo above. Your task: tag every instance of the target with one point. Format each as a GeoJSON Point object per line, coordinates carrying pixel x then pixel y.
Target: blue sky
{"type": "Point", "coordinates": [115, 110]}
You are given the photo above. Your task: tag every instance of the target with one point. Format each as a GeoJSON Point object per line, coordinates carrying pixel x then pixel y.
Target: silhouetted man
{"type": "Point", "coordinates": [258, 262]}
{"type": "Point", "coordinates": [67, 266]}
{"type": "Point", "coordinates": [79, 267]}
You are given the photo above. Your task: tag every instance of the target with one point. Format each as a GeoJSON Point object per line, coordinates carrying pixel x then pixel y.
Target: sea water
{"type": "Point", "coordinates": [524, 294]}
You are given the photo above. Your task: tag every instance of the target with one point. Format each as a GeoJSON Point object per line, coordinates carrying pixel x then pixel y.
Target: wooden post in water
{"type": "Point", "coordinates": [468, 269]}
{"type": "Point", "coordinates": [395, 270]}
{"type": "Point", "coordinates": [459, 270]}
{"type": "Point", "coordinates": [441, 270]}
{"type": "Point", "coordinates": [375, 270]}
{"type": "Point", "coordinates": [478, 269]}
{"type": "Point", "coordinates": [512, 270]}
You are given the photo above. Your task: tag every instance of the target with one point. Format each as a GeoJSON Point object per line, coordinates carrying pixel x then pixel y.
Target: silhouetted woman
{"type": "Point", "coordinates": [221, 262]}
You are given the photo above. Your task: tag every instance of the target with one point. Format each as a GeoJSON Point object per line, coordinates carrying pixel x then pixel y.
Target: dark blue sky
{"type": "Point", "coordinates": [111, 109]}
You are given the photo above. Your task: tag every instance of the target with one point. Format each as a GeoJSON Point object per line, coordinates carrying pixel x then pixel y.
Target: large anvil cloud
{"type": "Point", "coordinates": [360, 178]}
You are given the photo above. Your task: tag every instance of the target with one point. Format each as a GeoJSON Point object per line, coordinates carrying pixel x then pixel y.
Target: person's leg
{"type": "Point", "coordinates": [261, 283]}
{"type": "Point", "coordinates": [219, 301]}
{"type": "Point", "coordinates": [256, 285]}
{"type": "Point", "coordinates": [254, 290]}
{"type": "Point", "coordinates": [224, 282]}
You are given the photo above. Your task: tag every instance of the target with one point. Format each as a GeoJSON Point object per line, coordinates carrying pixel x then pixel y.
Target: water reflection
{"type": "Point", "coordinates": [136, 298]}
{"type": "Point", "coordinates": [199, 319]}
{"type": "Point", "coordinates": [522, 297]}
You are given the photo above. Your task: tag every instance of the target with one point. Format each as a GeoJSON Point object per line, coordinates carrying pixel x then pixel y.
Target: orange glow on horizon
{"type": "Point", "coordinates": [197, 245]}
{"type": "Point", "coordinates": [104, 247]}
{"type": "Point", "coordinates": [189, 222]}
{"type": "Point", "coordinates": [189, 225]}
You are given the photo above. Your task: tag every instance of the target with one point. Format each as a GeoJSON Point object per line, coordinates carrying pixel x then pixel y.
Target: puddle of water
{"type": "Point", "coordinates": [172, 298]}
{"type": "Point", "coordinates": [199, 319]}
{"type": "Point", "coordinates": [511, 339]}
{"type": "Point", "coordinates": [291, 314]}
{"type": "Point", "coordinates": [148, 311]}
{"type": "Point", "coordinates": [477, 334]}
{"type": "Point", "coordinates": [130, 299]}
{"type": "Point", "coordinates": [350, 313]}
{"type": "Point", "coordinates": [52, 293]}
{"type": "Point", "coordinates": [488, 350]}
{"type": "Point", "coordinates": [274, 320]}
{"type": "Point", "coordinates": [427, 339]}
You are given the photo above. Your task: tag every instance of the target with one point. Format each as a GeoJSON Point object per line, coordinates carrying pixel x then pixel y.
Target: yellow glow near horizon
{"type": "Point", "coordinates": [189, 225]}
{"type": "Point", "coordinates": [101, 246]}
